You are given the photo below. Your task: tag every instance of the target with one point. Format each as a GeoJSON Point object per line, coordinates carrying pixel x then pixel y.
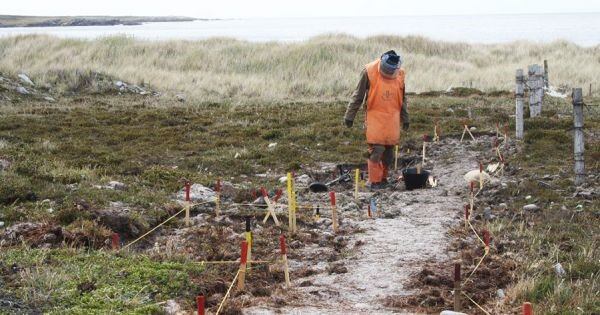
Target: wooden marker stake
{"type": "Point", "coordinates": [187, 203]}
{"type": "Point", "coordinates": [424, 145]}
{"type": "Point", "coordinates": [249, 239]}
{"type": "Point", "coordinates": [270, 209]}
{"type": "Point", "coordinates": [218, 200]}
{"type": "Point", "coordinates": [286, 267]}
{"type": "Point", "coordinates": [467, 215]}
{"type": "Point", "coordinates": [369, 210]}
{"type": "Point", "coordinates": [466, 130]}
{"type": "Point", "coordinates": [200, 301]}
{"type": "Point", "coordinates": [486, 240]}
{"type": "Point", "coordinates": [396, 158]}
{"type": "Point", "coordinates": [116, 241]}
{"type": "Point", "coordinates": [333, 211]}
{"type": "Point", "coordinates": [243, 265]}
{"type": "Point", "coordinates": [357, 182]}
{"type": "Point", "coordinates": [457, 288]}
{"type": "Point", "coordinates": [480, 176]}
{"type": "Point", "coordinates": [527, 308]}
{"type": "Point", "coordinates": [318, 213]}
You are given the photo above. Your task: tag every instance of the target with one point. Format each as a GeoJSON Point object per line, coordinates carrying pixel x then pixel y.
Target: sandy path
{"type": "Point", "coordinates": [392, 248]}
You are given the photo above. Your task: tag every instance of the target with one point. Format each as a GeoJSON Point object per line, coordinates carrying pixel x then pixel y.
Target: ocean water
{"type": "Point", "coordinates": [582, 29]}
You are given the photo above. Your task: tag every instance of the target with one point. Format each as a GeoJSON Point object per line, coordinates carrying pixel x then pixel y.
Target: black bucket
{"type": "Point", "coordinates": [412, 180]}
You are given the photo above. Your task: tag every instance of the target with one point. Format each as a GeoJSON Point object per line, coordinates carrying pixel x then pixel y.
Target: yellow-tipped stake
{"type": "Point", "coordinates": [357, 181]}
{"type": "Point", "coordinates": [249, 240]}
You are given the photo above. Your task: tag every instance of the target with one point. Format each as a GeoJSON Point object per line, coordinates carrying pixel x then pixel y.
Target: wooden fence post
{"type": "Point", "coordinates": [578, 136]}
{"type": "Point", "coordinates": [546, 81]}
{"type": "Point", "coordinates": [519, 95]}
{"type": "Point", "coordinates": [536, 94]}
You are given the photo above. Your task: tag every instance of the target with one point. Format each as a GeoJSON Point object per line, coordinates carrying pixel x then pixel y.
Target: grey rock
{"type": "Point", "coordinates": [172, 308]}
{"type": "Point", "coordinates": [531, 207]}
{"type": "Point", "coordinates": [1, 224]}
{"type": "Point", "coordinates": [49, 99]}
{"type": "Point", "coordinates": [503, 206]}
{"type": "Point", "coordinates": [559, 270]}
{"type": "Point", "coordinates": [500, 294]}
{"type": "Point", "coordinates": [49, 238]}
{"type": "Point", "coordinates": [115, 185]}
{"type": "Point", "coordinates": [4, 164]}
{"type": "Point", "coordinates": [25, 79]}
{"type": "Point", "coordinates": [120, 83]}
{"type": "Point", "coordinates": [303, 180]}
{"type": "Point", "coordinates": [180, 98]}
{"type": "Point", "coordinates": [22, 90]}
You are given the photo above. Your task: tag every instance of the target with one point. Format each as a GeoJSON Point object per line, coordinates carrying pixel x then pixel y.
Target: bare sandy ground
{"type": "Point", "coordinates": [412, 231]}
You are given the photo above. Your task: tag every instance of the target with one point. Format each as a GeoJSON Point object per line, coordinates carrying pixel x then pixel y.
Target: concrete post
{"type": "Point", "coordinates": [519, 95]}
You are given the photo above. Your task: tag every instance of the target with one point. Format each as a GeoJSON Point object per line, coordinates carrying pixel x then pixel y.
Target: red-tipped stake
{"type": "Point", "coordinates": [243, 264]}
{"type": "Point", "coordinates": [486, 240]}
{"type": "Point", "coordinates": [278, 194]}
{"type": "Point", "coordinates": [286, 268]}
{"type": "Point", "coordinates": [369, 210]}
{"type": "Point", "coordinates": [527, 308]}
{"type": "Point", "coordinates": [457, 287]}
{"type": "Point", "coordinates": [200, 300]}
{"type": "Point", "coordinates": [116, 241]}
{"type": "Point", "coordinates": [188, 186]}
{"type": "Point", "coordinates": [333, 211]}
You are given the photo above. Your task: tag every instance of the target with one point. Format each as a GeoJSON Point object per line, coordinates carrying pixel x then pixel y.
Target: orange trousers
{"type": "Point", "coordinates": [380, 159]}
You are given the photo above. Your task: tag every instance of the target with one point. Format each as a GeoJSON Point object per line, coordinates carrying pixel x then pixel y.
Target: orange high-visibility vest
{"type": "Point", "coordinates": [384, 104]}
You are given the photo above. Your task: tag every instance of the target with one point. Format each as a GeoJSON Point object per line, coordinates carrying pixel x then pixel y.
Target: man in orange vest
{"type": "Point", "coordinates": [382, 82]}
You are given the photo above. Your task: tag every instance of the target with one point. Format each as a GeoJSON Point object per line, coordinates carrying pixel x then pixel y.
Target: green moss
{"type": "Point", "coordinates": [78, 282]}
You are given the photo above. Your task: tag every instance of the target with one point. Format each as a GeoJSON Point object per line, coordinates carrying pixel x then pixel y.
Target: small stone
{"type": "Point", "coordinates": [25, 79]}
{"type": "Point", "coordinates": [472, 128]}
{"type": "Point", "coordinates": [22, 90]}
{"type": "Point", "coordinates": [283, 179]}
{"type": "Point", "coordinates": [115, 185]}
{"type": "Point", "coordinates": [172, 308]}
{"type": "Point", "coordinates": [527, 197]}
{"type": "Point", "coordinates": [559, 270]}
{"type": "Point", "coordinates": [503, 206]}
{"type": "Point", "coordinates": [1, 224]}
{"type": "Point", "coordinates": [531, 207]}
{"type": "Point", "coordinates": [49, 99]}
{"type": "Point", "coordinates": [120, 83]}
{"type": "Point", "coordinates": [50, 210]}
{"type": "Point", "coordinates": [49, 238]}
{"type": "Point", "coordinates": [500, 294]}
{"type": "Point", "coordinates": [272, 145]}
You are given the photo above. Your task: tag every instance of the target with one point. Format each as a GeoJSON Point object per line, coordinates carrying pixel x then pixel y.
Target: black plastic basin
{"type": "Point", "coordinates": [412, 180]}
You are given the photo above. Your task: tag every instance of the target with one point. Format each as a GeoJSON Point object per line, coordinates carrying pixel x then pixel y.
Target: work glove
{"type": "Point", "coordinates": [348, 123]}
{"type": "Point", "coordinates": [405, 126]}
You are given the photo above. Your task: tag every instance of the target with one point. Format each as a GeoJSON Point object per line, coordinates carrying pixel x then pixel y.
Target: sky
{"type": "Point", "coordinates": [295, 8]}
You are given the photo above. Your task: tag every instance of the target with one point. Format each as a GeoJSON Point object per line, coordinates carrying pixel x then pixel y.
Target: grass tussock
{"type": "Point", "coordinates": [322, 68]}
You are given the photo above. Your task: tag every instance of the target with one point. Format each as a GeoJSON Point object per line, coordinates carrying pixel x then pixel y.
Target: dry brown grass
{"type": "Point", "coordinates": [323, 68]}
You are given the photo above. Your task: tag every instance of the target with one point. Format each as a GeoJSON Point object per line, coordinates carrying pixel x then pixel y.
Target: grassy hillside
{"type": "Point", "coordinates": [322, 68]}
{"type": "Point", "coordinates": [32, 21]}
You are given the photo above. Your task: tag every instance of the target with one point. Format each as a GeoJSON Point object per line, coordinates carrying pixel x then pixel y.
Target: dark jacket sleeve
{"type": "Point", "coordinates": [404, 112]}
{"type": "Point", "coordinates": [358, 96]}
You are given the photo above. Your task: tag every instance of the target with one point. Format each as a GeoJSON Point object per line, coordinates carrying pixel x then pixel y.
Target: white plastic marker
{"type": "Point", "coordinates": [396, 158]}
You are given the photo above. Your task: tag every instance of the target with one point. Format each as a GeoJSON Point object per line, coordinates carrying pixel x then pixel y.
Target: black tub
{"type": "Point", "coordinates": [412, 180]}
